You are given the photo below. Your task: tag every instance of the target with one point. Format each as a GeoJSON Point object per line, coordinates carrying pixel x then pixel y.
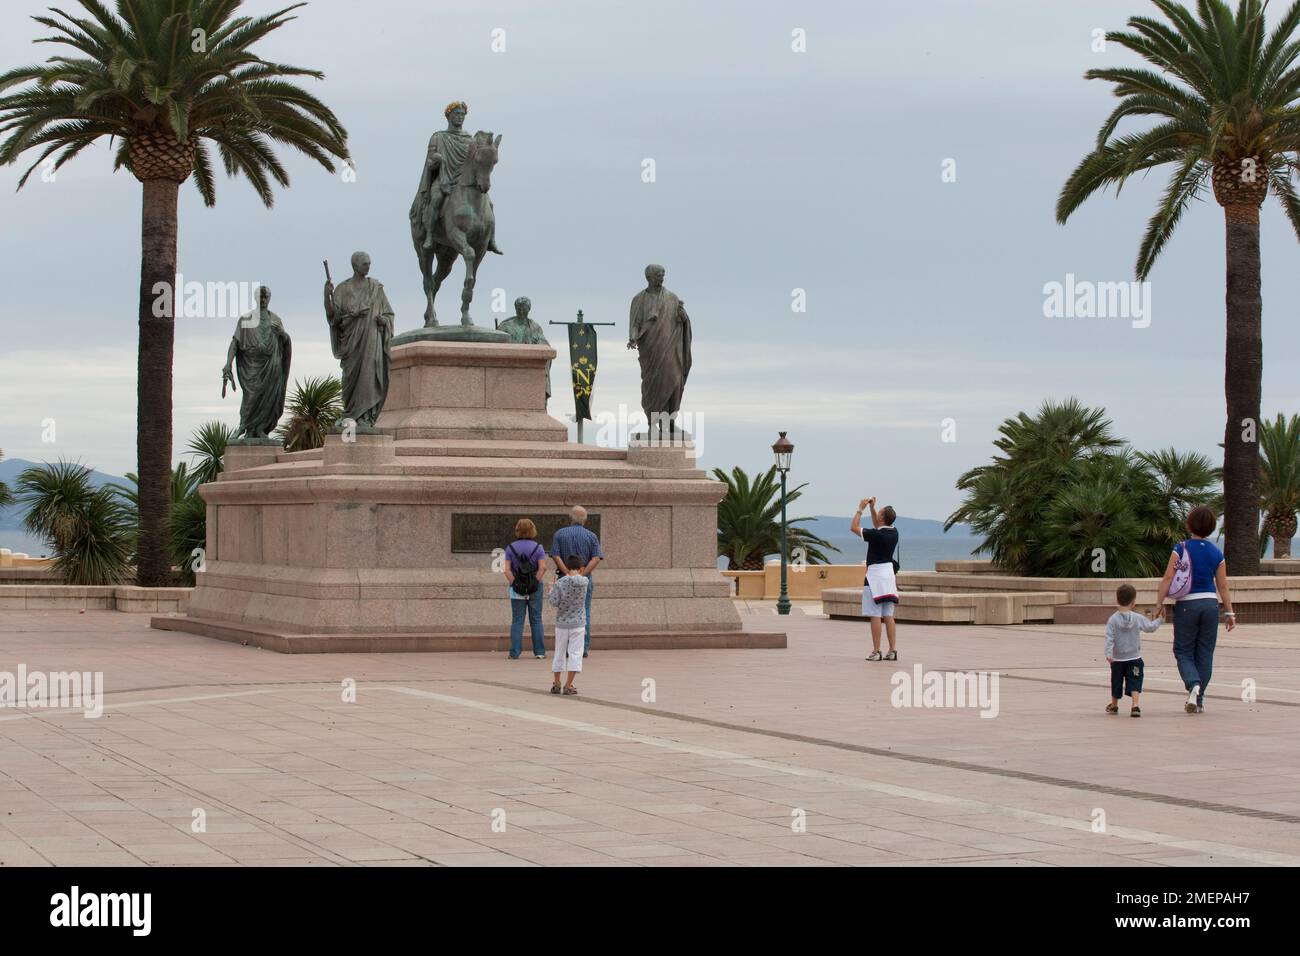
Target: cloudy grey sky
{"type": "Point", "coordinates": [775, 171]}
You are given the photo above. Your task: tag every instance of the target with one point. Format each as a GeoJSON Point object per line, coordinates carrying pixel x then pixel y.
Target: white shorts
{"type": "Point", "coordinates": [871, 609]}
{"type": "Point", "coordinates": [569, 643]}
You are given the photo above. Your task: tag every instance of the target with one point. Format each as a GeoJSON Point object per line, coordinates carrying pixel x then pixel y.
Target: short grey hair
{"type": "Point", "coordinates": [578, 514]}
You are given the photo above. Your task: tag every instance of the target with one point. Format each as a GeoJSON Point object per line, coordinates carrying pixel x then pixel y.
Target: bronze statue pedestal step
{"type": "Point", "coordinates": [390, 540]}
{"type": "Point", "coordinates": [451, 333]}
{"type": "Point", "coordinates": [381, 642]}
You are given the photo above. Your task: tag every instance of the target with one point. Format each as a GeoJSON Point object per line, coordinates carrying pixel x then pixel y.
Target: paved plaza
{"type": "Point", "coordinates": [666, 758]}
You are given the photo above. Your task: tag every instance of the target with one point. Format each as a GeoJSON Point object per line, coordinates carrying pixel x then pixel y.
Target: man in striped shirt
{"type": "Point", "coordinates": [577, 540]}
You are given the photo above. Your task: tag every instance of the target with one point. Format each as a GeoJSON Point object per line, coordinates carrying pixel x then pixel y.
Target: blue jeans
{"type": "Point", "coordinates": [533, 605]}
{"type": "Point", "coordinates": [586, 644]}
{"type": "Point", "coordinates": [1196, 628]}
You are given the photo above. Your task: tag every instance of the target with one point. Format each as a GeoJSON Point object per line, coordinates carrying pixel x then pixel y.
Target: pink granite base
{"type": "Point", "coordinates": [379, 642]}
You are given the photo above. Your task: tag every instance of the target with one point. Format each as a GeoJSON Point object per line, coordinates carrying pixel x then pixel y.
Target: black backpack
{"type": "Point", "coordinates": [525, 582]}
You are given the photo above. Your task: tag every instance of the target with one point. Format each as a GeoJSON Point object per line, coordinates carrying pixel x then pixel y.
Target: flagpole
{"type": "Point", "coordinates": [580, 321]}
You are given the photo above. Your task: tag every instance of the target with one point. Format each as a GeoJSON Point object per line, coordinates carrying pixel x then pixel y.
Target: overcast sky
{"type": "Point", "coordinates": [775, 171]}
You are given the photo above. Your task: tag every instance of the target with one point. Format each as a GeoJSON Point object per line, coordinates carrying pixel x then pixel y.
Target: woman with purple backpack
{"type": "Point", "coordinates": [525, 566]}
{"type": "Point", "coordinates": [1196, 578]}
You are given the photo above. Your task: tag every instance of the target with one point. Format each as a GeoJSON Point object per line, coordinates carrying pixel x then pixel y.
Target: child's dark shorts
{"type": "Point", "coordinates": [1126, 678]}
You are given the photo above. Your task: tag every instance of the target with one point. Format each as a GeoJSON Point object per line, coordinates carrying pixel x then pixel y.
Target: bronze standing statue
{"type": "Point", "coordinates": [660, 331]}
{"type": "Point", "coordinates": [452, 215]}
{"type": "Point", "coordinates": [260, 350]}
{"type": "Point", "coordinates": [361, 332]}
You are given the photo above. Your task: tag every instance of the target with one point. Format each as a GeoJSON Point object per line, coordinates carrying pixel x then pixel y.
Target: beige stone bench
{"type": "Point", "coordinates": [116, 597]}
{"type": "Point", "coordinates": [1018, 607]}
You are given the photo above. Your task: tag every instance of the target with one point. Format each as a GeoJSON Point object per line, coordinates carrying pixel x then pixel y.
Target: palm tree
{"type": "Point", "coordinates": [187, 524]}
{"type": "Point", "coordinates": [1006, 501]}
{"type": "Point", "coordinates": [208, 447]}
{"type": "Point", "coordinates": [314, 407]}
{"type": "Point", "coordinates": [1067, 498]}
{"type": "Point", "coordinates": [1186, 479]}
{"type": "Point", "coordinates": [88, 529]}
{"type": "Point", "coordinates": [1223, 95]}
{"type": "Point", "coordinates": [163, 78]}
{"type": "Point", "coordinates": [1279, 444]}
{"type": "Point", "coordinates": [184, 492]}
{"type": "Point", "coordinates": [6, 496]}
{"type": "Point", "coordinates": [749, 521]}
{"type": "Point", "coordinates": [183, 483]}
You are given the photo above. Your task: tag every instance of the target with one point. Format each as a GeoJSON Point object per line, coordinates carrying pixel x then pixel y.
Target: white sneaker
{"type": "Point", "coordinates": [1191, 704]}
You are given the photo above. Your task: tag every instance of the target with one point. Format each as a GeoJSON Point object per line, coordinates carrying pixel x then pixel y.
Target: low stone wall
{"type": "Point", "coordinates": [1280, 566]}
{"type": "Point", "coordinates": [28, 575]}
{"type": "Point", "coordinates": [116, 597]}
{"type": "Point", "coordinates": [1020, 607]}
{"type": "Point", "coordinates": [1263, 588]}
{"type": "Point", "coordinates": [12, 559]}
{"type": "Point", "coordinates": [806, 584]}
{"type": "Point", "coordinates": [966, 566]}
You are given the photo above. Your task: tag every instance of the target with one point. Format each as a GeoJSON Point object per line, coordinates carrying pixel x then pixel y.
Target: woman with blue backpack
{"type": "Point", "coordinates": [524, 569]}
{"type": "Point", "coordinates": [1196, 578]}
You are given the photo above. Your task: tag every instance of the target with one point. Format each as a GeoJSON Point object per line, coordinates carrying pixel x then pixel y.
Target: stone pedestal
{"type": "Point", "coordinates": [647, 451]}
{"type": "Point", "coordinates": [386, 542]}
{"type": "Point", "coordinates": [250, 453]}
{"type": "Point", "coordinates": [363, 450]}
{"type": "Point", "coordinates": [492, 392]}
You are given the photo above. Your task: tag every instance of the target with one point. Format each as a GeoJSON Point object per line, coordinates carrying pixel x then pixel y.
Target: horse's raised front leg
{"type": "Point", "coordinates": [460, 242]}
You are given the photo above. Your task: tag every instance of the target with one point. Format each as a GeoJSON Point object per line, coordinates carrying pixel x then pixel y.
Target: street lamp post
{"type": "Point", "coordinates": [784, 451]}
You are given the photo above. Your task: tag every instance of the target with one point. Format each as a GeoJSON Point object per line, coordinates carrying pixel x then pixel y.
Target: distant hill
{"type": "Point", "coordinates": [12, 534]}
{"type": "Point", "coordinates": [922, 541]}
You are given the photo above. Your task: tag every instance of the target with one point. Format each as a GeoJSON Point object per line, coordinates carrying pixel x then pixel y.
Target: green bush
{"type": "Point", "coordinates": [90, 531]}
{"type": "Point", "coordinates": [1067, 498]}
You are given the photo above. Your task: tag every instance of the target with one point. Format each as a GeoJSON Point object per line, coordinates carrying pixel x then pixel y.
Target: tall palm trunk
{"type": "Point", "coordinates": [154, 382]}
{"type": "Point", "coordinates": [1240, 192]}
{"type": "Point", "coordinates": [1243, 371]}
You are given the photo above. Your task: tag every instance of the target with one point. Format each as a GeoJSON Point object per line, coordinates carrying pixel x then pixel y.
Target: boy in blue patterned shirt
{"type": "Point", "coordinates": [569, 597]}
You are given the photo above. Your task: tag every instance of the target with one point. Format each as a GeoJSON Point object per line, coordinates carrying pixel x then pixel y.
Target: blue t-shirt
{"type": "Point", "coordinates": [1206, 558]}
{"type": "Point", "coordinates": [574, 539]}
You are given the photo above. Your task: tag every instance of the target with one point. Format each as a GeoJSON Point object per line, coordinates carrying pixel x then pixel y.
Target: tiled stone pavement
{"type": "Point", "coordinates": [734, 751]}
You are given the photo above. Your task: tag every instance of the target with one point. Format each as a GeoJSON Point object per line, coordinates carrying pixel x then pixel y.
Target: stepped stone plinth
{"type": "Point", "coordinates": [385, 541]}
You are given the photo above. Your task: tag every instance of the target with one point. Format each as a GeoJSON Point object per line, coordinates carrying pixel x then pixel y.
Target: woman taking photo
{"type": "Point", "coordinates": [1196, 591]}
{"type": "Point", "coordinates": [880, 588]}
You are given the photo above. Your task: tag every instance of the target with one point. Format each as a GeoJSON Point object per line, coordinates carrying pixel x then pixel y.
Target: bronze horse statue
{"type": "Point", "coordinates": [465, 228]}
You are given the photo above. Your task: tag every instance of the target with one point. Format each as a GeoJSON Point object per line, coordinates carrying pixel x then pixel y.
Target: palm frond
{"type": "Point", "coordinates": [137, 70]}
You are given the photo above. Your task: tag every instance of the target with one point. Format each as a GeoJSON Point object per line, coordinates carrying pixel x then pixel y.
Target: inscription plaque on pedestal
{"type": "Point", "coordinates": [484, 533]}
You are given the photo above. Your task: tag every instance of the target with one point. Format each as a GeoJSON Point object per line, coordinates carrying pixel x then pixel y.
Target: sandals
{"type": "Point", "coordinates": [1135, 712]}
{"type": "Point", "coordinates": [1112, 708]}
{"type": "Point", "coordinates": [570, 690]}
{"type": "Point", "coordinates": [555, 688]}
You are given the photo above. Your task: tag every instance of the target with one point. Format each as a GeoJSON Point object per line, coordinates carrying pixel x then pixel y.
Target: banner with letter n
{"type": "Point", "coordinates": [582, 360]}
